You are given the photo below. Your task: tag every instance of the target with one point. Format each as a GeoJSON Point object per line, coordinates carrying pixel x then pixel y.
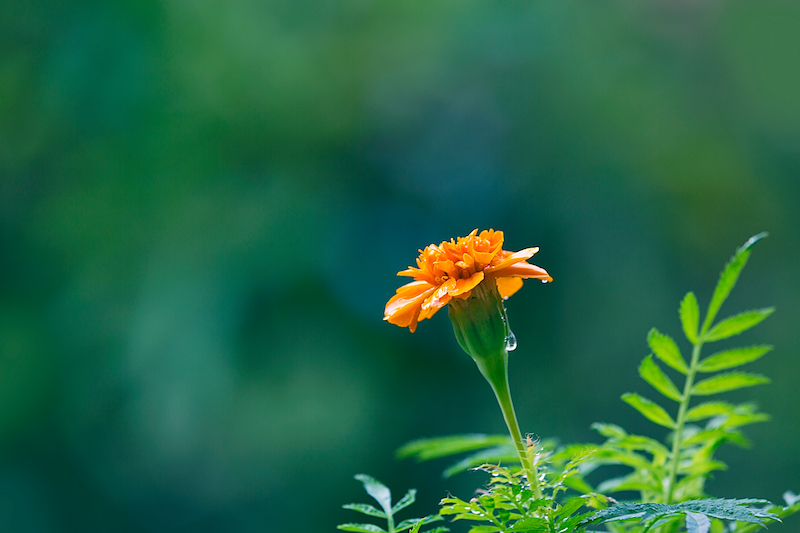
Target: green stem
{"type": "Point", "coordinates": [687, 395]}
{"type": "Point", "coordinates": [503, 394]}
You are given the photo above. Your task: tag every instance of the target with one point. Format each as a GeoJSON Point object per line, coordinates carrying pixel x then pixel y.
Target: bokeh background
{"type": "Point", "coordinates": [203, 204]}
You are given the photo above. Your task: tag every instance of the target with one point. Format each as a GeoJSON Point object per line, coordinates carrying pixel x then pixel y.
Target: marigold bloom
{"type": "Point", "coordinates": [453, 269]}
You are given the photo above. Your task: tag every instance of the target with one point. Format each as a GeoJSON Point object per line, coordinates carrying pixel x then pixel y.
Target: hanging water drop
{"type": "Point", "coordinates": [511, 342]}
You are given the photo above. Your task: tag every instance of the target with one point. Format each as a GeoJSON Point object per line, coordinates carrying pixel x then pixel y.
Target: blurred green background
{"type": "Point", "coordinates": [203, 205]}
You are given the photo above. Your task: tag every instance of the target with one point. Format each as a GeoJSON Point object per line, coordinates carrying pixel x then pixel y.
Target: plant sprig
{"type": "Point", "coordinates": [383, 496]}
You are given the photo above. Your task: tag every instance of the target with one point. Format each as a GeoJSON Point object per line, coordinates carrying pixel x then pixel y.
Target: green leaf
{"type": "Point", "coordinates": [649, 409]}
{"type": "Point", "coordinates": [416, 523]}
{"type": "Point", "coordinates": [365, 508]}
{"type": "Point", "coordinates": [737, 324]}
{"type": "Point", "coordinates": [708, 410]}
{"type": "Point", "coordinates": [666, 350]}
{"type": "Point", "coordinates": [728, 277]}
{"type": "Point", "coordinates": [405, 501]}
{"type": "Point", "coordinates": [361, 528]}
{"type": "Point", "coordinates": [716, 508]}
{"type": "Point", "coordinates": [732, 358]}
{"type": "Point", "coordinates": [377, 490]}
{"type": "Point", "coordinates": [697, 523]}
{"type": "Point", "coordinates": [570, 506]}
{"type": "Point", "coordinates": [425, 449]}
{"type": "Point", "coordinates": [727, 382]}
{"type": "Point", "coordinates": [653, 374]}
{"type": "Point", "coordinates": [485, 529]}
{"type": "Point", "coordinates": [531, 524]}
{"type": "Point", "coordinates": [609, 430]}
{"type": "Point", "coordinates": [505, 454]}
{"type": "Point", "coordinates": [690, 316]}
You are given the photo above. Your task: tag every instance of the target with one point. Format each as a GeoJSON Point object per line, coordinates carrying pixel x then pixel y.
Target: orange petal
{"type": "Point", "coordinates": [465, 285]}
{"type": "Point", "coordinates": [522, 270]}
{"type": "Point", "coordinates": [516, 257]}
{"type": "Point", "coordinates": [435, 299]}
{"type": "Point", "coordinates": [403, 308]}
{"type": "Point", "coordinates": [432, 308]}
{"type": "Point", "coordinates": [410, 272]}
{"type": "Point", "coordinates": [508, 286]}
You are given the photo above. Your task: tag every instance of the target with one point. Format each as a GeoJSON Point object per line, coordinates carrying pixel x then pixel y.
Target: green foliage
{"type": "Point", "coordinates": [696, 511]}
{"type": "Point", "coordinates": [425, 449]}
{"type": "Point", "coordinates": [383, 496]}
{"type": "Point", "coordinates": [509, 505]}
{"type": "Point", "coordinates": [487, 448]}
{"type": "Point", "coordinates": [671, 481]}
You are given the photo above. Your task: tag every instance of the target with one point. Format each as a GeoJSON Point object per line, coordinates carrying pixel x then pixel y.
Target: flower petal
{"type": "Point", "coordinates": [508, 286]}
{"type": "Point", "coordinates": [511, 259]}
{"type": "Point", "coordinates": [435, 300]}
{"type": "Point", "coordinates": [466, 285]}
{"type": "Point", "coordinates": [522, 270]}
{"type": "Point", "coordinates": [403, 308]}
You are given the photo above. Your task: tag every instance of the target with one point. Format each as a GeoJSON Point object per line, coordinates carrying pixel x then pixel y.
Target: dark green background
{"type": "Point", "coordinates": [203, 204]}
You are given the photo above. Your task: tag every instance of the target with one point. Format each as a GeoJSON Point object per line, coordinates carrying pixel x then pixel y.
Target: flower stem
{"type": "Point", "coordinates": [503, 394]}
{"type": "Point", "coordinates": [678, 438]}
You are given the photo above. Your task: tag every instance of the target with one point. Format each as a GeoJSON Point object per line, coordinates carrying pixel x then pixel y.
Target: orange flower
{"type": "Point", "coordinates": [453, 270]}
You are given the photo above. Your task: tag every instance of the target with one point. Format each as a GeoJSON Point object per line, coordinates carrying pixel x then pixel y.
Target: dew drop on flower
{"type": "Point", "coordinates": [511, 341]}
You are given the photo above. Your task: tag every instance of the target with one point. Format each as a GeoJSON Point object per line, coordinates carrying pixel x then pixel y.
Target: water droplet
{"type": "Point", "coordinates": [545, 281]}
{"type": "Point", "coordinates": [511, 341]}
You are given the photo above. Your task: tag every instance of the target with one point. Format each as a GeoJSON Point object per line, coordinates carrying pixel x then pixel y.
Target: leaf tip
{"type": "Point", "coordinates": [752, 240]}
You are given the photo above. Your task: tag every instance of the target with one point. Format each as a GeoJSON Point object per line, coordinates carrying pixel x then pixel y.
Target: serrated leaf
{"type": "Point", "coordinates": [530, 524]}
{"type": "Point", "coordinates": [708, 410]}
{"type": "Point", "coordinates": [652, 373]}
{"type": "Point", "coordinates": [377, 490]}
{"type": "Point", "coordinates": [649, 409]}
{"type": "Point", "coordinates": [727, 382]}
{"type": "Point", "coordinates": [716, 508]}
{"type": "Point", "coordinates": [365, 508]}
{"type": "Point", "coordinates": [405, 501]}
{"type": "Point", "coordinates": [737, 324]}
{"type": "Point", "coordinates": [697, 523]}
{"type": "Point", "coordinates": [690, 316]}
{"type": "Point", "coordinates": [639, 442]}
{"type": "Point", "coordinates": [416, 523]}
{"type": "Point", "coordinates": [361, 528]}
{"type": "Point", "coordinates": [425, 449]}
{"type": "Point", "coordinates": [666, 350]}
{"type": "Point", "coordinates": [728, 277]}
{"type": "Point", "coordinates": [732, 358]}
{"type": "Point", "coordinates": [570, 506]}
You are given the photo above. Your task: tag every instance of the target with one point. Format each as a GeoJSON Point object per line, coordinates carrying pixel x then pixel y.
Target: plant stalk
{"type": "Point", "coordinates": [503, 394]}
{"type": "Point", "coordinates": [681, 420]}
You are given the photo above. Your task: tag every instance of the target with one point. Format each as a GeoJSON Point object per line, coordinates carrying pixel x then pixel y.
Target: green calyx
{"type": "Point", "coordinates": [481, 327]}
